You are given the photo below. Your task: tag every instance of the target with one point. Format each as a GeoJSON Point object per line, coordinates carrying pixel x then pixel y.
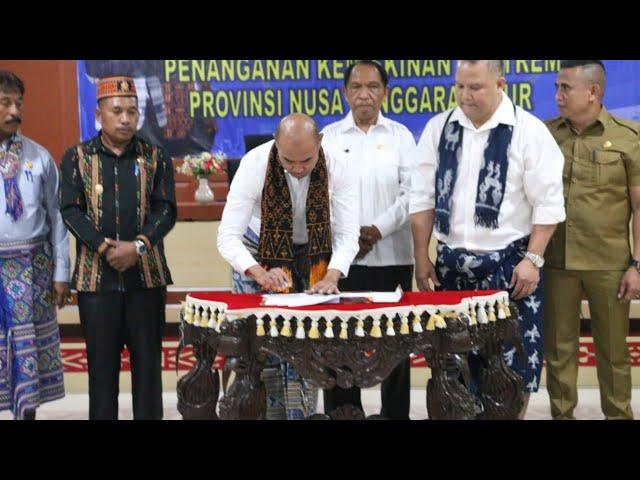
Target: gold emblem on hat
{"type": "Point", "coordinates": [124, 86]}
{"type": "Point", "coordinates": [99, 189]}
{"type": "Point", "coordinates": [380, 147]}
{"type": "Point", "coordinates": [28, 164]}
{"type": "Point", "coordinates": [607, 144]}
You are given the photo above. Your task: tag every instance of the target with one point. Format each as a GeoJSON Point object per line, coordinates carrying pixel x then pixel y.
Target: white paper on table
{"type": "Point", "coordinates": [304, 299]}
{"type": "Point", "coordinates": [297, 299]}
{"type": "Point", "coordinates": [377, 297]}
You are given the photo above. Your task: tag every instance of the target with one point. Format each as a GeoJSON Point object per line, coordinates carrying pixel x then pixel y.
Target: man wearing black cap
{"type": "Point", "coordinates": [118, 200]}
{"type": "Point", "coordinates": [590, 254]}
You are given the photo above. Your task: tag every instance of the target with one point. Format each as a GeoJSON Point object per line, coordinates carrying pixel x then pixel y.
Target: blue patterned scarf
{"type": "Point", "coordinates": [9, 166]}
{"type": "Point", "coordinates": [491, 182]}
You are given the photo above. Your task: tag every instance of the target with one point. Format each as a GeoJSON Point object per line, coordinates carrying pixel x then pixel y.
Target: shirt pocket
{"type": "Point", "coordinates": [584, 170]}
{"type": "Point", "coordinates": [32, 186]}
{"type": "Point", "coordinates": [609, 167]}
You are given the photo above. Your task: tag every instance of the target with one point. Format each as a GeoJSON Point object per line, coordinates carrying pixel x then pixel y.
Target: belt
{"type": "Point", "coordinates": [22, 244]}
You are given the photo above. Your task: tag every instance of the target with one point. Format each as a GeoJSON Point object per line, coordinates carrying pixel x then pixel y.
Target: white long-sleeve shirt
{"type": "Point", "coordinates": [38, 181]}
{"type": "Point", "coordinates": [533, 192]}
{"type": "Point", "coordinates": [382, 159]}
{"type": "Point", "coordinates": [244, 201]}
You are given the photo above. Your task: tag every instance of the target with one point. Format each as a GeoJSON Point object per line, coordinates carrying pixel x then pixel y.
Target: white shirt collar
{"type": "Point", "coordinates": [504, 114]}
{"type": "Point", "coordinates": [348, 122]}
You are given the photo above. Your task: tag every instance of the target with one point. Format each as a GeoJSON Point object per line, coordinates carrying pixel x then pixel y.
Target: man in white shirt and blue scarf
{"type": "Point", "coordinates": [489, 177]}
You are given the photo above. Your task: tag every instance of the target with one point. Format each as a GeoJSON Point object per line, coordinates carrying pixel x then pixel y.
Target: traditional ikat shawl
{"type": "Point", "coordinates": [276, 247]}
{"type": "Point", "coordinates": [491, 182]}
{"type": "Point", "coordinates": [9, 166]}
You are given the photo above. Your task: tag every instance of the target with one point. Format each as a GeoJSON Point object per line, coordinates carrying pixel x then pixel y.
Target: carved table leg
{"type": "Point", "coordinates": [246, 399]}
{"type": "Point", "coordinates": [448, 398]}
{"type": "Point", "coordinates": [500, 388]}
{"type": "Point", "coordinates": [198, 390]}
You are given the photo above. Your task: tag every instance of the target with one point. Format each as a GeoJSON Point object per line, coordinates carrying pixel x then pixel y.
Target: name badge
{"type": "Point", "coordinates": [28, 173]}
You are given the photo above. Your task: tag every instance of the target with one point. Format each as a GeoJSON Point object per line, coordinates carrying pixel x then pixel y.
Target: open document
{"type": "Point", "coordinates": [304, 299]}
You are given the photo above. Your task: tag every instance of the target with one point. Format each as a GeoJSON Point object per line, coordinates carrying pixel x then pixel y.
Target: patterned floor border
{"type": "Point", "coordinates": [74, 356]}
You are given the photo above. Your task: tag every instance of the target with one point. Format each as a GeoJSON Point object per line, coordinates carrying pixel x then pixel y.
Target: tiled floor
{"type": "Point", "coordinates": [75, 406]}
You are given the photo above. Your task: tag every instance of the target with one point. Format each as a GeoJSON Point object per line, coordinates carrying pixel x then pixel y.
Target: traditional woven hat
{"type": "Point", "coordinates": [116, 87]}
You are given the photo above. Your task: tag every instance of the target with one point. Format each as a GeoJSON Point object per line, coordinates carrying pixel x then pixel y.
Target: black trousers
{"type": "Point", "coordinates": [111, 320]}
{"type": "Point", "coordinates": [395, 389]}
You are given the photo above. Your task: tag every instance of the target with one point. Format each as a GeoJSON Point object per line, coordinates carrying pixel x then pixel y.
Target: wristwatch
{"type": "Point", "coordinates": [141, 247]}
{"type": "Point", "coordinates": [536, 259]}
{"type": "Point", "coordinates": [635, 264]}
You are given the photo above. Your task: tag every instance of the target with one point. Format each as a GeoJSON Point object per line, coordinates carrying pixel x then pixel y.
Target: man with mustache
{"type": "Point", "coordinates": [34, 263]}
{"type": "Point", "coordinates": [381, 151]}
{"type": "Point", "coordinates": [118, 200]}
{"type": "Point", "coordinates": [489, 178]}
{"type": "Point", "coordinates": [590, 253]}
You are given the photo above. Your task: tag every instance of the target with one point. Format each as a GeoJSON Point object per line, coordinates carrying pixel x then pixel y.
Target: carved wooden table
{"type": "Point", "coordinates": [351, 344]}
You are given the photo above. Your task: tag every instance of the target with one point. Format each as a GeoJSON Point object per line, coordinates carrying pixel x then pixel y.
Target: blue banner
{"type": "Point", "coordinates": [193, 105]}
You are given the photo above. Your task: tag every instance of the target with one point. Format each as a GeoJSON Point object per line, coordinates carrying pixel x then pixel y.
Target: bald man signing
{"type": "Point", "coordinates": [290, 224]}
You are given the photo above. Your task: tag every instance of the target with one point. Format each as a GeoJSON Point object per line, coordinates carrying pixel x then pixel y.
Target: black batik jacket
{"type": "Point", "coordinates": [119, 197]}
